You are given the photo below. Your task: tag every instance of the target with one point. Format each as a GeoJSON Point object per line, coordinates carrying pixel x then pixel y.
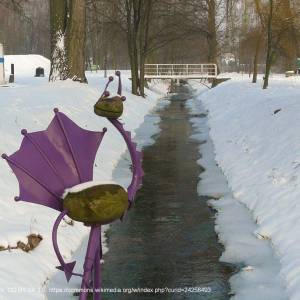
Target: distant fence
{"type": "Point", "coordinates": [177, 71]}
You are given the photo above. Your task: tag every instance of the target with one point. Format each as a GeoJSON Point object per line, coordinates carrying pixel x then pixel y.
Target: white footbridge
{"type": "Point", "coordinates": [180, 71]}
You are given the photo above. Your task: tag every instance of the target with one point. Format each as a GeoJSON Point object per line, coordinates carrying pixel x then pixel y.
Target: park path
{"type": "Point", "coordinates": [168, 238]}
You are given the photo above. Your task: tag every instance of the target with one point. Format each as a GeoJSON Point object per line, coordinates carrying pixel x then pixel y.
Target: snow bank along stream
{"type": "Point", "coordinates": [250, 166]}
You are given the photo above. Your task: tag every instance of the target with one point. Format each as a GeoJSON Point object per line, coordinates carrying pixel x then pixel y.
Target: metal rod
{"type": "Point", "coordinates": [93, 247]}
{"type": "Point", "coordinates": [97, 272]}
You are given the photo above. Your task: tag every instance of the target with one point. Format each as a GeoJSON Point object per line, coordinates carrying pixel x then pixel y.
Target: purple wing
{"type": "Point", "coordinates": [50, 161]}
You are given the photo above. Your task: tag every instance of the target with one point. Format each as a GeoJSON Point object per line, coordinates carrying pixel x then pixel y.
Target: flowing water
{"type": "Point", "coordinates": [167, 246]}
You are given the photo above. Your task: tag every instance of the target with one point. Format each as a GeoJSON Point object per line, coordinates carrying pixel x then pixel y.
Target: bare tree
{"type": "Point", "coordinates": [258, 40]}
{"type": "Point", "coordinates": [270, 53]}
{"type": "Point", "coordinates": [280, 25]}
{"type": "Point", "coordinates": [144, 42]}
{"type": "Point", "coordinates": [212, 31]}
{"type": "Point", "coordinates": [58, 21]}
{"type": "Point", "coordinates": [67, 40]}
{"type": "Point", "coordinates": [76, 40]}
{"type": "Point", "coordinates": [133, 9]}
{"type": "Point", "coordinates": [129, 33]}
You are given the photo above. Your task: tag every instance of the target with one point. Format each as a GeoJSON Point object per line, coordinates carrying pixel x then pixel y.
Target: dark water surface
{"type": "Point", "coordinates": [168, 238]}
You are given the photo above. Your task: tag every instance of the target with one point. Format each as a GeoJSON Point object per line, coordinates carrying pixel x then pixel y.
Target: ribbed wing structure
{"type": "Point", "coordinates": [52, 160]}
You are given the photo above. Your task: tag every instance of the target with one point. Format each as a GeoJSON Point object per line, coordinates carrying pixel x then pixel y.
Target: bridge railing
{"type": "Point", "coordinates": [181, 70]}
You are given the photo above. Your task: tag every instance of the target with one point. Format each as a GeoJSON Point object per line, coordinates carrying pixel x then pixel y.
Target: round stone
{"type": "Point", "coordinates": [100, 204]}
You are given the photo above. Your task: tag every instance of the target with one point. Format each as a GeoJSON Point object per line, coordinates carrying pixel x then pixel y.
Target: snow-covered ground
{"type": "Point", "coordinates": [29, 103]}
{"type": "Point", "coordinates": [256, 140]}
{"type": "Point", "coordinates": [25, 65]}
{"type": "Point", "coordinates": [251, 157]}
{"type": "Point", "coordinates": [234, 224]}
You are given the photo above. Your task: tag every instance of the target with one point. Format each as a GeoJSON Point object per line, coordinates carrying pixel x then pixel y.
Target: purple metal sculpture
{"type": "Point", "coordinates": [51, 161]}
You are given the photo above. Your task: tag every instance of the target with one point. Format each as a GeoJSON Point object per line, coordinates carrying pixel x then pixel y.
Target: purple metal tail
{"type": "Point", "coordinates": [67, 268]}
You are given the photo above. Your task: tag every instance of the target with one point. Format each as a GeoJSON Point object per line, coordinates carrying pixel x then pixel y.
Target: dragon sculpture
{"type": "Point", "coordinates": [54, 168]}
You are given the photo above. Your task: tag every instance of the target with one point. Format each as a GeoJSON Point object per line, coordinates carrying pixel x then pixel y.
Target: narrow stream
{"type": "Point", "coordinates": [168, 238]}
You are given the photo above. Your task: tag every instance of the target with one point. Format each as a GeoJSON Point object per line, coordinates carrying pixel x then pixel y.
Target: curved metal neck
{"type": "Point", "coordinates": [136, 157]}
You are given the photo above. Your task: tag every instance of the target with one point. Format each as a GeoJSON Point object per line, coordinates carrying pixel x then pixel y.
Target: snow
{"type": "Point", "coordinates": [259, 277]}
{"type": "Point", "coordinates": [249, 143]}
{"type": "Point", "coordinates": [82, 186]}
{"type": "Point", "coordinates": [29, 103]}
{"type": "Point", "coordinates": [255, 135]}
{"type": "Point", "coordinates": [212, 182]}
{"type": "Point", "coordinates": [58, 57]}
{"type": "Point", "coordinates": [25, 65]}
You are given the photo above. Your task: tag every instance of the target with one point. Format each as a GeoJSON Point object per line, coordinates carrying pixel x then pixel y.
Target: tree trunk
{"type": "Point", "coordinates": [212, 32]}
{"type": "Point", "coordinates": [255, 60]}
{"type": "Point", "coordinates": [133, 63]}
{"type": "Point", "coordinates": [144, 37]}
{"type": "Point", "coordinates": [134, 72]}
{"type": "Point", "coordinates": [269, 46]}
{"type": "Point", "coordinates": [293, 38]}
{"type": "Point", "coordinates": [76, 41]}
{"type": "Point", "coordinates": [105, 62]}
{"type": "Point", "coordinates": [133, 9]}
{"type": "Point", "coordinates": [142, 75]}
{"type": "Point", "coordinates": [267, 72]}
{"type": "Point", "coordinates": [59, 65]}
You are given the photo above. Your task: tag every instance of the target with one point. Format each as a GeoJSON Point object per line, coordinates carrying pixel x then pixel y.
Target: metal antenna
{"type": "Point", "coordinates": [105, 92]}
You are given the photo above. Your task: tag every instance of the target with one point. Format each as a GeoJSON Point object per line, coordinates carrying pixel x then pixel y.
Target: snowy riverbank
{"type": "Point", "coordinates": [29, 104]}
{"type": "Point", "coordinates": [256, 137]}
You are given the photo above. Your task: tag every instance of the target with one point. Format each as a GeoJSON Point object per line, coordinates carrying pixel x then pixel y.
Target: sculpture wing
{"type": "Point", "coordinates": [52, 160]}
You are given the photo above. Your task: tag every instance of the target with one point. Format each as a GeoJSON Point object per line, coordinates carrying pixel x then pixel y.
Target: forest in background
{"type": "Point", "coordinates": [238, 35]}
